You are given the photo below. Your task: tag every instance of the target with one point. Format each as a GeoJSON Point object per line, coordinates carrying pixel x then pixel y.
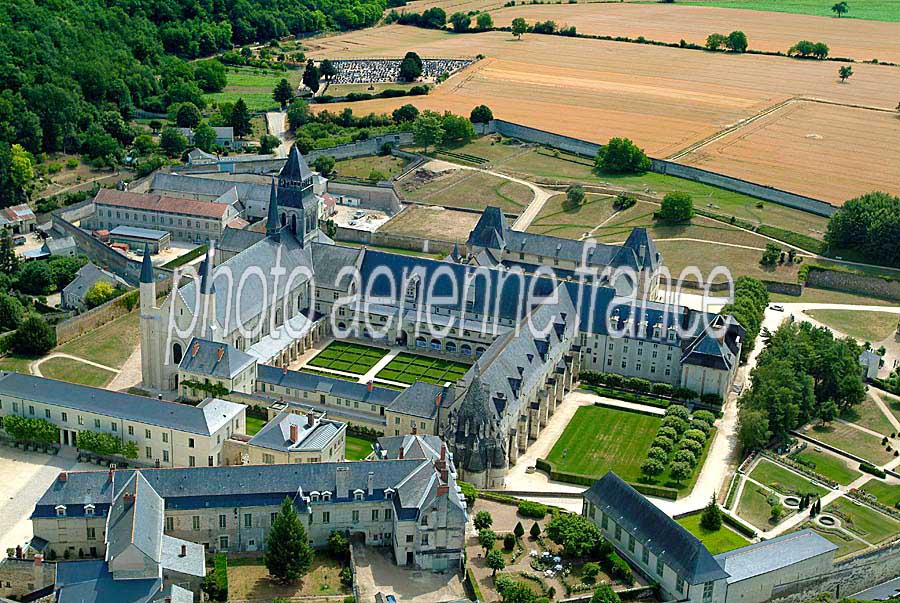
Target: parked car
{"type": "Point", "coordinates": [778, 307]}
{"type": "Point", "coordinates": [19, 240]}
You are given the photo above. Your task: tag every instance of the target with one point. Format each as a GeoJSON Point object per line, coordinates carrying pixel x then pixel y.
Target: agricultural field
{"type": "Point", "coordinates": [829, 465]}
{"type": "Point", "coordinates": [468, 189]}
{"type": "Point", "coordinates": [787, 148]}
{"type": "Point", "coordinates": [718, 541]}
{"type": "Point", "coordinates": [348, 357]}
{"type": "Point", "coordinates": [880, 10]}
{"type": "Point", "coordinates": [409, 368]}
{"type": "Point", "coordinates": [862, 325]}
{"type": "Point", "coordinates": [852, 440]}
{"type": "Point", "coordinates": [663, 98]}
{"type": "Point", "coordinates": [766, 31]}
{"type": "Point", "coordinates": [870, 525]}
{"type": "Point", "coordinates": [254, 86]}
{"type": "Point", "coordinates": [886, 493]}
{"type": "Point", "coordinates": [784, 481]}
{"type": "Point", "coordinates": [429, 222]}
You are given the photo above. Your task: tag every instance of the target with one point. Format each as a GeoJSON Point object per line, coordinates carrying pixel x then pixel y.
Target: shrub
{"type": "Point", "coordinates": [871, 469]}
{"type": "Point", "coordinates": [469, 492]}
{"type": "Point", "coordinates": [711, 519]}
{"type": "Point", "coordinates": [483, 520]}
{"type": "Point", "coordinates": [676, 423]}
{"type": "Point", "coordinates": [590, 570]}
{"type": "Point", "coordinates": [677, 410]}
{"type": "Point", "coordinates": [531, 509]}
{"type": "Point", "coordinates": [215, 584]}
{"type": "Point", "coordinates": [622, 202]}
{"type": "Point", "coordinates": [692, 445]}
{"type": "Point", "coordinates": [663, 442]}
{"type": "Point", "coordinates": [705, 415]}
{"type": "Point", "coordinates": [696, 435]}
{"type": "Point", "coordinates": [619, 569]}
{"type": "Point", "coordinates": [535, 530]}
{"type": "Point", "coordinates": [509, 541]}
{"type": "Point", "coordinates": [658, 453]}
{"type": "Point", "coordinates": [700, 426]}
{"type": "Point", "coordinates": [668, 432]}
{"type": "Point", "coordinates": [661, 389]}
{"type": "Point", "coordinates": [685, 456]}
{"type": "Point", "coordinates": [638, 385]}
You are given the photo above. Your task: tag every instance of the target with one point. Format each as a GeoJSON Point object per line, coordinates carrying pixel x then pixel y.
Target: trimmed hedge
{"type": "Point", "coordinates": [872, 469]}
{"type": "Point", "coordinates": [737, 525]}
{"type": "Point", "coordinates": [588, 480]}
{"type": "Point", "coordinates": [533, 510]}
{"type": "Point", "coordinates": [472, 588]}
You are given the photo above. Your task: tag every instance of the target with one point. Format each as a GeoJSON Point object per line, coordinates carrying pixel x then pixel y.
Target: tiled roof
{"type": "Point", "coordinates": [202, 420]}
{"type": "Point", "coordinates": [771, 555]}
{"type": "Point", "coordinates": [202, 357]}
{"type": "Point", "coordinates": [654, 529]}
{"type": "Point", "coordinates": [161, 203]}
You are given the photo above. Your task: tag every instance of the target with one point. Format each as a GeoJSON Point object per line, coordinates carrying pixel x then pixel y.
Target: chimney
{"type": "Point", "coordinates": [642, 251]}
{"type": "Point", "coordinates": [414, 430]}
{"type": "Point", "coordinates": [370, 385]}
{"type": "Point", "coordinates": [128, 497]}
{"type": "Point", "coordinates": [310, 420]}
{"type": "Point", "coordinates": [109, 474]}
{"type": "Point", "coordinates": [443, 490]}
{"type": "Point", "coordinates": [183, 550]}
{"type": "Point", "coordinates": [284, 370]}
{"type": "Point", "coordinates": [438, 397]}
{"type": "Point", "coordinates": [38, 560]}
{"type": "Point", "coordinates": [195, 348]}
{"type": "Point", "coordinates": [219, 353]}
{"type": "Point", "coordinates": [19, 554]}
{"type": "Point", "coordinates": [443, 452]}
{"type": "Point", "coordinates": [342, 481]}
{"type": "Point", "coordinates": [400, 454]}
{"type": "Point", "coordinates": [370, 484]}
{"type": "Point", "coordinates": [445, 475]}
{"type": "Point", "coordinates": [294, 434]}
{"type": "Point", "coordinates": [63, 476]}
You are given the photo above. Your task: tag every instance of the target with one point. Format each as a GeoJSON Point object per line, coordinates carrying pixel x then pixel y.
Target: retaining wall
{"type": "Point", "coordinates": [382, 239]}
{"type": "Point", "coordinates": [383, 198]}
{"type": "Point", "coordinates": [853, 283]}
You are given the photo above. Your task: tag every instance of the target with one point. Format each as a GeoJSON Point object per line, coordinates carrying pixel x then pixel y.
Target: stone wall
{"type": "Point", "coordinates": [382, 198]}
{"type": "Point", "coordinates": [853, 283]}
{"type": "Point", "coordinates": [382, 239]}
{"type": "Point", "coordinates": [363, 147]}
{"type": "Point", "coordinates": [847, 578]}
{"type": "Point", "coordinates": [24, 576]}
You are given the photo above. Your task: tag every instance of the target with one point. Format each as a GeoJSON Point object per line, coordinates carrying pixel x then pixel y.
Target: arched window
{"type": "Point", "coordinates": [420, 342]}
{"type": "Point", "coordinates": [435, 344]}
{"type": "Point", "coordinates": [451, 347]}
{"type": "Point", "coordinates": [283, 219]}
{"type": "Point", "coordinates": [177, 352]}
{"type": "Point", "coordinates": [294, 223]}
{"type": "Point", "coordinates": [466, 349]}
{"type": "Point", "coordinates": [279, 317]}
{"type": "Point", "coordinates": [479, 351]}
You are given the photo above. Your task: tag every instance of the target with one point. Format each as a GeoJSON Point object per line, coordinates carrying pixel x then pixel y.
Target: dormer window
{"type": "Point", "coordinates": [89, 510]}
{"type": "Point", "coordinates": [358, 494]}
{"type": "Point", "coordinates": [326, 496]}
{"type": "Point", "coordinates": [314, 496]}
{"type": "Point", "coordinates": [412, 288]}
{"type": "Point", "coordinates": [672, 333]}
{"type": "Point", "coordinates": [60, 510]}
{"type": "Point", "coordinates": [389, 494]}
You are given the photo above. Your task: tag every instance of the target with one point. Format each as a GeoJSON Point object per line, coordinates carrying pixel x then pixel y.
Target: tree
{"type": "Point", "coordinates": [844, 72]}
{"type": "Point", "coordinates": [298, 114]}
{"type": "Point", "coordinates": [283, 93]}
{"type": "Point", "coordinates": [605, 594]}
{"type": "Point", "coordinates": [495, 561]}
{"type": "Point", "coordinates": [21, 171]}
{"type": "Point", "coordinates": [517, 592]}
{"type": "Point", "coordinates": [324, 164]}
{"type": "Point", "coordinates": [99, 293]}
{"type": "Point", "coordinates": [34, 337]}
{"type": "Point", "coordinates": [777, 512]}
{"type": "Point", "coordinates": [828, 411]}
{"type": "Point", "coordinates": [268, 143]}
{"type": "Point", "coordinates": [578, 535]}
{"type": "Point", "coordinates": [840, 9]}
{"type": "Point", "coordinates": [676, 207]}
{"type": "Point", "coordinates": [405, 113]}
{"type": "Point", "coordinates": [820, 50]}
{"type": "Point", "coordinates": [863, 224]}
{"type": "Point", "coordinates": [621, 156]}
{"type": "Point", "coordinates": [715, 41]}
{"type": "Point", "coordinates": [771, 255]}
{"type": "Point", "coordinates": [519, 27]}
{"type": "Point", "coordinates": [574, 197]}
{"type": "Point", "coordinates": [204, 137]}
{"type": "Point", "coordinates": [736, 41]}
{"type": "Point", "coordinates": [589, 571]}
{"type": "Point", "coordinates": [483, 520]}
{"type": "Point", "coordinates": [9, 261]}
{"type": "Point", "coordinates": [427, 130]}
{"type": "Point", "coordinates": [338, 545]}
{"type": "Point", "coordinates": [487, 538]}
{"type": "Point", "coordinates": [410, 67]}
{"type": "Point", "coordinates": [172, 142]}
{"type": "Point", "coordinates": [36, 278]}
{"type": "Point", "coordinates": [457, 129]}
{"type": "Point", "coordinates": [210, 75]}
{"type": "Point", "coordinates": [481, 114]}
{"type": "Point", "coordinates": [434, 18]}
{"type": "Point", "coordinates": [460, 21]}
{"type": "Point", "coordinates": [288, 554]}
{"type": "Point", "coordinates": [187, 115]}
{"type": "Point", "coordinates": [11, 311]}
{"type": "Point", "coordinates": [519, 530]}
{"type": "Point", "coordinates": [240, 119]}
{"type": "Point", "coordinates": [484, 21]}
{"type": "Point", "coordinates": [327, 71]}
{"type": "Point", "coordinates": [711, 518]}
{"type": "Point", "coordinates": [680, 471]}
{"type": "Point", "coordinates": [535, 530]}
{"type": "Point", "coordinates": [311, 76]}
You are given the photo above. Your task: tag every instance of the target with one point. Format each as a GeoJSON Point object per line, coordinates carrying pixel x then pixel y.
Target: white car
{"type": "Point", "coordinates": [778, 307]}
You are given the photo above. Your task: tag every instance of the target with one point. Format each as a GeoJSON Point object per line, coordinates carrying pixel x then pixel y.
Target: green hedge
{"type": "Point", "coordinates": [472, 588]}
{"type": "Point", "coordinates": [796, 239]}
{"type": "Point", "coordinates": [531, 509]}
{"type": "Point", "coordinates": [215, 584]}
{"type": "Point", "coordinates": [588, 480]}
{"type": "Point", "coordinates": [187, 257]}
{"type": "Point", "coordinates": [737, 525]}
{"type": "Point", "coordinates": [872, 470]}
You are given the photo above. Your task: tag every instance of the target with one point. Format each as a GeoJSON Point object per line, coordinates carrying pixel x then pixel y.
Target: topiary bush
{"type": "Point", "coordinates": [695, 434]}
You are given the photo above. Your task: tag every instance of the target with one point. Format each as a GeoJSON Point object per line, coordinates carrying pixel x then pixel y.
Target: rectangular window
{"type": "Point", "coordinates": [92, 533]}
{"type": "Point", "coordinates": [223, 543]}
{"type": "Point", "coordinates": [326, 517]}
{"type": "Point", "coordinates": [409, 538]}
{"type": "Point", "coordinates": [659, 567]}
{"type": "Point", "coordinates": [192, 462]}
{"type": "Point", "coordinates": [47, 413]}
{"type": "Point", "coordinates": [374, 514]}
{"type": "Point", "coordinates": [425, 539]}
{"type": "Point", "coordinates": [190, 442]}
{"type": "Point", "coordinates": [97, 423]}
{"type": "Point", "coordinates": [30, 409]}
{"type": "Point", "coordinates": [707, 592]}
{"type": "Point", "coordinates": [65, 417]}
{"type": "Point", "coordinates": [604, 521]}
{"type": "Point", "coordinates": [355, 516]}
{"type": "Point", "coordinates": [147, 434]}
{"type": "Point", "coordinates": [80, 420]}
{"type": "Point", "coordinates": [388, 514]}
{"type": "Point", "coordinates": [209, 461]}
{"type": "Point", "coordinates": [170, 524]}
{"type": "Point", "coordinates": [165, 437]}
{"type": "Point", "coordinates": [679, 584]}
{"type": "Point", "coordinates": [148, 452]}
{"type": "Point", "coordinates": [630, 543]}
{"type": "Point", "coordinates": [618, 532]}
{"type": "Point", "coordinates": [248, 520]}
{"type": "Point", "coordinates": [166, 456]}
{"type": "Point", "coordinates": [195, 522]}
{"type": "Point", "coordinates": [645, 555]}
{"type": "Point", "coordinates": [131, 430]}
{"type": "Point", "coordinates": [272, 517]}
{"type": "Point", "coordinates": [223, 520]}
{"type": "Point", "coordinates": [114, 427]}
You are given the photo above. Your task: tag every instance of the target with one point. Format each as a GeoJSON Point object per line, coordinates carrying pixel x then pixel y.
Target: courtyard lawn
{"type": "Point", "coordinates": [867, 414]}
{"type": "Point", "coordinates": [361, 167]}
{"type": "Point", "coordinates": [73, 371]}
{"type": "Point", "coordinates": [18, 364]}
{"type": "Point", "coordinates": [887, 494]}
{"type": "Point", "coordinates": [861, 325]}
{"type": "Point", "coordinates": [252, 581]}
{"type": "Point", "coordinates": [254, 424]}
{"type": "Point", "coordinates": [829, 465]}
{"type": "Point", "coordinates": [254, 86]}
{"type": "Point", "coordinates": [852, 440]}
{"type": "Point", "coordinates": [356, 449]}
{"type": "Point", "coordinates": [783, 480]}
{"type": "Point", "coordinates": [409, 368]}
{"type": "Point", "coordinates": [718, 541]}
{"type": "Point", "coordinates": [348, 357]}
{"type": "Point", "coordinates": [600, 439]}
{"type": "Point", "coordinates": [111, 344]}
{"type": "Point", "coordinates": [869, 524]}
{"type": "Point", "coordinates": [753, 506]}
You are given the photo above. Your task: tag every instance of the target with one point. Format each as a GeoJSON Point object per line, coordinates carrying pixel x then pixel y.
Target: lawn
{"type": "Point", "coordinates": [870, 525]}
{"type": "Point", "coordinates": [559, 221]}
{"type": "Point", "coordinates": [487, 148]}
{"type": "Point", "coordinates": [846, 544]}
{"type": "Point", "coordinates": [254, 424]}
{"type": "Point", "coordinates": [600, 439]}
{"type": "Point", "coordinates": [254, 86]}
{"type": "Point", "coordinates": [409, 368]}
{"type": "Point", "coordinates": [887, 494]}
{"type": "Point", "coordinates": [356, 449]}
{"type": "Point", "coordinates": [342, 89]}
{"type": "Point", "coordinates": [254, 583]}
{"type": "Point", "coordinates": [361, 167]}
{"type": "Point", "coordinates": [874, 10]}
{"type": "Point", "coordinates": [19, 364]}
{"type": "Point", "coordinates": [830, 466]}
{"type": "Point", "coordinates": [470, 189]}
{"type": "Point", "coordinates": [718, 541]}
{"type": "Point", "coordinates": [862, 325]}
{"type": "Point", "coordinates": [348, 357]}
{"type": "Point", "coordinates": [852, 440]}
{"type": "Point", "coordinates": [826, 296]}
{"type": "Point", "coordinates": [110, 344]}
{"type": "Point", "coordinates": [783, 480]}
{"type": "Point", "coordinates": [867, 414]}
{"type": "Point", "coordinates": [73, 371]}
{"type": "Point", "coordinates": [753, 506]}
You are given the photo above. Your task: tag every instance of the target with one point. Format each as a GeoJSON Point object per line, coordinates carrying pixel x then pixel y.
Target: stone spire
{"type": "Point", "coordinates": [146, 266]}
{"type": "Point", "coordinates": [273, 226]}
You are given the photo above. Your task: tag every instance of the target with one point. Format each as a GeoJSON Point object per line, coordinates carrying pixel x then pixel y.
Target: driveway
{"type": "Point", "coordinates": [376, 572]}
{"type": "Point", "coordinates": [25, 476]}
{"type": "Point", "coordinates": [278, 127]}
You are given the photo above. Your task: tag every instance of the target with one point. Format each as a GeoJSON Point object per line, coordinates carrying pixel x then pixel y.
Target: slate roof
{"type": "Point", "coordinates": [138, 233]}
{"type": "Point", "coordinates": [202, 420]}
{"type": "Point", "coordinates": [92, 582]}
{"type": "Point", "coordinates": [329, 260]}
{"type": "Point", "coordinates": [60, 245]}
{"type": "Point", "coordinates": [417, 446]}
{"type": "Point", "coordinates": [160, 203]}
{"type": "Point", "coordinates": [193, 562]}
{"type": "Point", "coordinates": [276, 434]}
{"type": "Point", "coordinates": [654, 529]}
{"type": "Point", "coordinates": [202, 357]}
{"type": "Point", "coordinates": [236, 240]}
{"type": "Point", "coordinates": [295, 168]}
{"type": "Point", "coordinates": [421, 400]}
{"type": "Point", "coordinates": [771, 555]}
{"type": "Point", "coordinates": [316, 384]}
{"type": "Point", "coordinates": [146, 265]}
{"type": "Point", "coordinates": [135, 518]}
{"type": "Point", "coordinates": [209, 187]}
{"type": "Point", "coordinates": [711, 351]}
{"type": "Point", "coordinates": [87, 276]}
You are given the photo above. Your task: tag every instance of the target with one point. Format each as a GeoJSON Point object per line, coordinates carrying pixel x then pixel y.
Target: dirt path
{"type": "Point", "coordinates": [276, 123]}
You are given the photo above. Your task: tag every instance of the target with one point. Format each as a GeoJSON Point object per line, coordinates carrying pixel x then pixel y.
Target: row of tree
{"type": "Point", "coordinates": [736, 41]}
{"type": "Point", "coordinates": [870, 226]}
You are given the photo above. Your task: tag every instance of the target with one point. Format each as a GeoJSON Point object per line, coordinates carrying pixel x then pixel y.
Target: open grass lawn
{"type": "Point", "coordinates": [409, 368]}
{"type": "Point", "coordinates": [432, 222]}
{"type": "Point", "coordinates": [600, 439]}
{"type": "Point", "coordinates": [559, 221]}
{"type": "Point", "coordinates": [753, 506]}
{"type": "Point", "coordinates": [826, 296]}
{"type": "Point", "coordinates": [361, 167]}
{"type": "Point", "coordinates": [356, 448]}
{"type": "Point", "coordinates": [254, 424]}
{"type": "Point", "coordinates": [342, 89]}
{"type": "Point", "coordinates": [348, 357]}
{"type": "Point", "coordinates": [253, 582]}
{"type": "Point", "coordinates": [852, 440]}
{"type": "Point", "coordinates": [862, 325]}
{"type": "Point", "coordinates": [830, 466]}
{"type": "Point", "coordinates": [19, 364]}
{"type": "Point", "coordinates": [887, 494]}
{"type": "Point", "coordinates": [718, 541]}
{"type": "Point", "coordinates": [254, 86]}
{"type": "Point", "coordinates": [397, 250]}
{"type": "Point", "coordinates": [875, 10]}
{"type": "Point", "coordinates": [783, 480]}
{"type": "Point", "coordinates": [474, 190]}
{"type": "Point", "coordinates": [869, 524]}
{"type": "Point", "coordinates": [73, 371]}
{"type": "Point", "coordinates": [111, 344]}
{"type": "Point", "coordinates": [846, 544]}
{"type": "Point", "coordinates": [867, 414]}
{"type": "Point", "coordinates": [485, 147]}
